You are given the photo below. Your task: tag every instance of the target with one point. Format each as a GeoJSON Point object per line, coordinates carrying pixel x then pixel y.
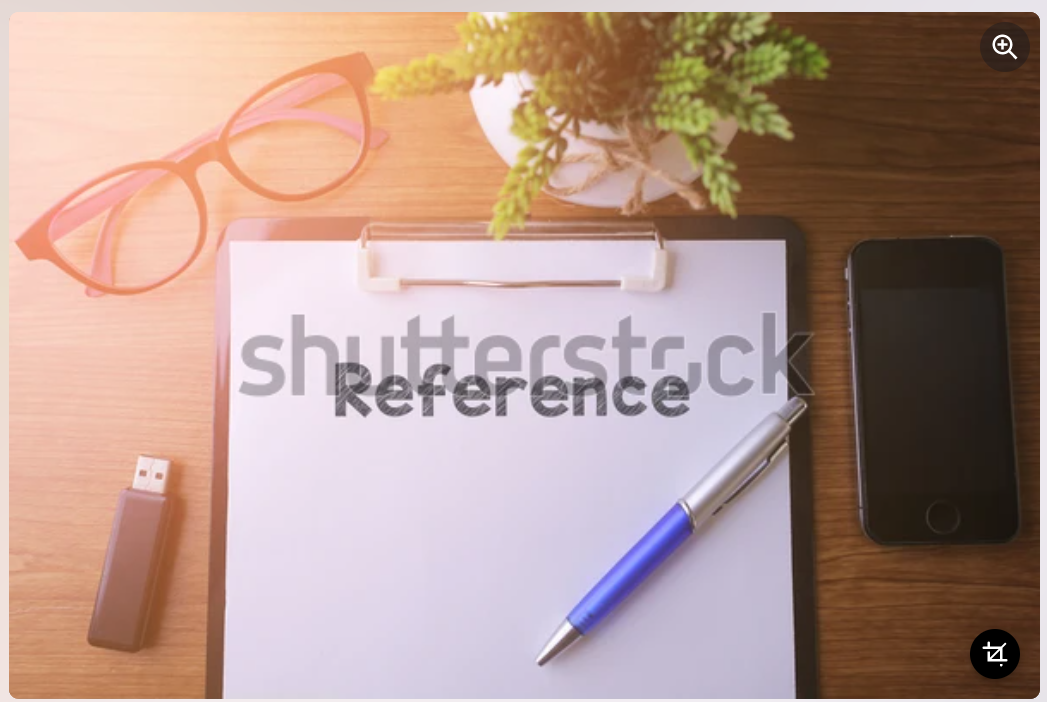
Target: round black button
{"type": "Point", "coordinates": [995, 654]}
{"type": "Point", "coordinates": [943, 517]}
{"type": "Point", "coordinates": [1005, 47]}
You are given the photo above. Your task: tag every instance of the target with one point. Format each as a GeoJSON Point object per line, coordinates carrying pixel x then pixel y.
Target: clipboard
{"type": "Point", "coordinates": [362, 231]}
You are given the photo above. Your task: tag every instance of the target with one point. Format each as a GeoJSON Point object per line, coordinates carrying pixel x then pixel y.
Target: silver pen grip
{"type": "Point", "coordinates": [741, 462]}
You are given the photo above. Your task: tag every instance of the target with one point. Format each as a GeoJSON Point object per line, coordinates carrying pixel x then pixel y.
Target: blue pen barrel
{"type": "Point", "coordinates": [642, 559]}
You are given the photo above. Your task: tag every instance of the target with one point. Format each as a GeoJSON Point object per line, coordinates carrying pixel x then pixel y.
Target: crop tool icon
{"type": "Point", "coordinates": [998, 658]}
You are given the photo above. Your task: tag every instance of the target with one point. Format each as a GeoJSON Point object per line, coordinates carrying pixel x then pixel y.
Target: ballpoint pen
{"type": "Point", "coordinates": [736, 471]}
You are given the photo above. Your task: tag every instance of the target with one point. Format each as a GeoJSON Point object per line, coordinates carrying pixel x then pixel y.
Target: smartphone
{"type": "Point", "coordinates": [931, 370]}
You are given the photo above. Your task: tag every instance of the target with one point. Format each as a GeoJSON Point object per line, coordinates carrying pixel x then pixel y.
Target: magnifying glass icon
{"type": "Point", "coordinates": [1002, 45]}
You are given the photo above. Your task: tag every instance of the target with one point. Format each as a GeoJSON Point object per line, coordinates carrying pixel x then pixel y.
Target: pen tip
{"type": "Point", "coordinates": [558, 642]}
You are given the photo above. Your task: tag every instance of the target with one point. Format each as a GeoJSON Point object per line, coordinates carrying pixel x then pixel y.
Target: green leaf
{"type": "Point", "coordinates": [420, 77]}
{"type": "Point", "coordinates": [676, 72]}
{"type": "Point", "coordinates": [761, 64]}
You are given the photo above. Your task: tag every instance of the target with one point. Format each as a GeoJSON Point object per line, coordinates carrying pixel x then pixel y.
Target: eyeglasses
{"type": "Point", "coordinates": [140, 226]}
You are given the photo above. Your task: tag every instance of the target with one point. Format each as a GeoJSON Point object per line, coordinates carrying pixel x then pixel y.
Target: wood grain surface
{"type": "Point", "coordinates": [912, 135]}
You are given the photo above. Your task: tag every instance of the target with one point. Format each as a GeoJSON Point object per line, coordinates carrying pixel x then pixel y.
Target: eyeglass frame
{"type": "Point", "coordinates": [37, 241]}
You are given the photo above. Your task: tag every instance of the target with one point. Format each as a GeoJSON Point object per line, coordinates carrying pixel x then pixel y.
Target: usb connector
{"type": "Point", "coordinates": [132, 561]}
{"type": "Point", "coordinates": [151, 474]}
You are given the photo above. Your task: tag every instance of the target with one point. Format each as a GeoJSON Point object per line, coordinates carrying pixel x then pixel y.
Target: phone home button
{"type": "Point", "coordinates": [943, 517]}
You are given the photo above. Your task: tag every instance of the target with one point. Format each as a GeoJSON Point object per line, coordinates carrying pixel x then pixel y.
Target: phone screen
{"type": "Point", "coordinates": [933, 391]}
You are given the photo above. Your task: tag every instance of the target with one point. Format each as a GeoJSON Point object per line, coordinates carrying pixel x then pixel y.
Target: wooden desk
{"type": "Point", "coordinates": [912, 135]}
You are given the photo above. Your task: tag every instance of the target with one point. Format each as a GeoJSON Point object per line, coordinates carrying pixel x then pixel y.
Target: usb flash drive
{"type": "Point", "coordinates": [132, 560]}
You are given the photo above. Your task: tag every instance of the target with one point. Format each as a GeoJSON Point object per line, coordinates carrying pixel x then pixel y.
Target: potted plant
{"type": "Point", "coordinates": [646, 101]}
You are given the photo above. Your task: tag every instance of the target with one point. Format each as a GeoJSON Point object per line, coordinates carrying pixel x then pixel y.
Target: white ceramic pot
{"type": "Point", "coordinates": [494, 106]}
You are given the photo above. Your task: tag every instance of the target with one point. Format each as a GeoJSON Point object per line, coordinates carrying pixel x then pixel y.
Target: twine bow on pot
{"type": "Point", "coordinates": [616, 155]}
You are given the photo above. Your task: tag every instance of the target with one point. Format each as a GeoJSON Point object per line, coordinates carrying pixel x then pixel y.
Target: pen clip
{"type": "Point", "coordinates": [760, 470]}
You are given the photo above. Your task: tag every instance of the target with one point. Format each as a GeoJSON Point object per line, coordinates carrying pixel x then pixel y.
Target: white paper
{"type": "Point", "coordinates": [433, 556]}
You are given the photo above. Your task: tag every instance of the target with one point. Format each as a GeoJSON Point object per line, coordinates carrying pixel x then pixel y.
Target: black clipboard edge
{"type": "Point", "coordinates": [687, 228]}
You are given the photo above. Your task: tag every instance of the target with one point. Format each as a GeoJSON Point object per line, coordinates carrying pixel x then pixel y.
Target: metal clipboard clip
{"type": "Point", "coordinates": [368, 278]}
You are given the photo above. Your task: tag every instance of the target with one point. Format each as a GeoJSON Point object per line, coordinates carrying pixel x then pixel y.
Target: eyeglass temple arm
{"type": "Point", "coordinates": [271, 109]}
{"type": "Point", "coordinates": [117, 197]}
{"type": "Point", "coordinates": [306, 90]}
